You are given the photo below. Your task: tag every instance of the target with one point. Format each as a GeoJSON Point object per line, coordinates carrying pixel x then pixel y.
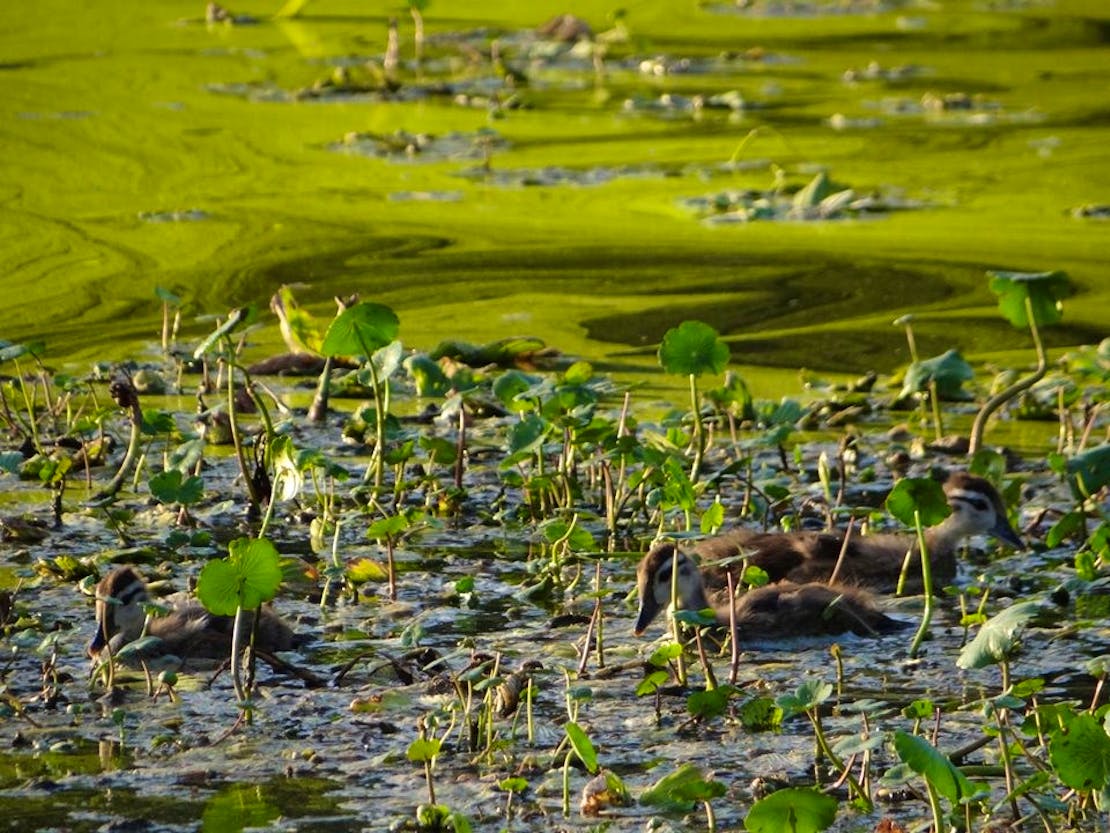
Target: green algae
{"type": "Point", "coordinates": [110, 119]}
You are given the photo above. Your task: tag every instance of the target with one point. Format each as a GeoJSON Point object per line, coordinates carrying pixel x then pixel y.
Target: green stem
{"type": "Point", "coordinates": [699, 430]}
{"type": "Point", "coordinates": [1020, 386]}
{"type": "Point", "coordinates": [927, 586]}
{"type": "Point", "coordinates": [236, 436]}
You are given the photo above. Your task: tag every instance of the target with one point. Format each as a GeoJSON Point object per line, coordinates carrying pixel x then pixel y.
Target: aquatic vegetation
{"type": "Point", "coordinates": [568, 462]}
{"type": "Point", "coordinates": [455, 526]}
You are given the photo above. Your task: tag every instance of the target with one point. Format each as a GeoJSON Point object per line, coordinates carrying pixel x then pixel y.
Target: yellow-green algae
{"type": "Point", "coordinates": [107, 114]}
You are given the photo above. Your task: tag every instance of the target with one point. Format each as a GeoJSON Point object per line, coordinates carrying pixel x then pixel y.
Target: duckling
{"type": "Point", "coordinates": [187, 632]}
{"type": "Point", "coordinates": [871, 561]}
{"type": "Point", "coordinates": [775, 611]}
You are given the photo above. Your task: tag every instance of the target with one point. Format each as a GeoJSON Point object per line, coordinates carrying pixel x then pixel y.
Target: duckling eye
{"type": "Point", "coordinates": [978, 504]}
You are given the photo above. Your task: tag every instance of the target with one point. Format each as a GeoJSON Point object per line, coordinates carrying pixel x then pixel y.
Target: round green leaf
{"type": "Point", "coordinates": [249, 576]}
{"type": "Point", "coordinates": [800, 809]}
{"type": "Point", "coordinates": [218, 587]}
{"type": "Point", "coordinates": [920, 494]}
{"type": "Point", "coordinates": [360, 330]}
{"type": "Point", "coordinates": [1080, 754]}
{"type": "Point", "coordinates": [1043, 289]}
{"type": "Point", "coordinates": [691, 349]}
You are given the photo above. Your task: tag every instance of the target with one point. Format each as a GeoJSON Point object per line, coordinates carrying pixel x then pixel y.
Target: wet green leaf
{"type": "Point", "coordinates": [172, 487]}
{"type": "Point", "coordinates": [1072, 524]}
{"type": "Point", "coordinates": [1090, 471]}
{"type": "Point", "coordinates": [681, 789]}
{"type": "Point", "coordinates": [388, 527]}
{"type": "Point", "coordinates": [696, 618]}
{"type": "Point", "coordinates": [809, 695]}
{"type": "Point", "coordinates": [693, 348]}
{"type": "Point", "coordinates": [814, 192]}
{"type": "Point", "coordinates": [513, 785]}
{"type": "Point", "coordinates": [652, 683]}
{"type": "Point", "coordinates": [509, 386]}
{"type": "Point", "coordinates": [999, 637]}
{"type": "Point", "coordinates": [712, 518]}
{"type": "Point", "coordinates": [760, 714]}
{"type": "Point", "coordinates": [366, 569]}
{"type": "Point", "coordinates": [528, 435]}
{"type": "Point", "coordinates": [360, 330]}
{"type": "Point", "coordinates": [949, 371]}
{"type": "Point", "coordinates": [235, 319]}
{"type": "Point", "coordinates": [580, 539]}
{"type": "Point", "coordinates": [423, 749]}
{"type": "Point", "coordinates": [918, 494]}
{"type": "Point", "coordinates": [9, 351]}
{"type": "Point", "coordinates": [1080, 754]}
{"type": "Point", "coordinates": [668, 652]}
{"type": "Point", "coordinates": [1044, 290]}
{"type": "Point", "coordinates": [937, 769]}
{"type": "Point", "coordinates": [710, 703]}
{"type": "Point", "coordinates": [582, 746]}
{"type": "Point", "coordinates": [795, 809]}
{"type": "Point", "coordinates": [427, 376]}
{"type": "Point", "coordinates": [440, 450]}
{"type": "Point", "coordinates": [249, 576]}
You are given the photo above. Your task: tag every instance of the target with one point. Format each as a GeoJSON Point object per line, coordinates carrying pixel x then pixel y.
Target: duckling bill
{"type": "Point", "coordinates": [775, 611]}
{"type": "Point", "coordinates": [186, 632]}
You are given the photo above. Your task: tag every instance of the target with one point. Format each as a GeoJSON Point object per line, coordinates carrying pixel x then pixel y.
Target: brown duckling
{"type": "Point", "coordinates": [871, 561]}
{"type": "Point", "coordinates": [775, 611]}
{"type": "Point", "coordinates": [187, 632]}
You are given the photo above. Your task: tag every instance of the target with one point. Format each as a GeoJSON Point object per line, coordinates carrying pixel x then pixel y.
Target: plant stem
{"type": "Point", "coordinates": [1020, 386]}
{"type": "Point", "coordinates": [927, 586]}
{"type": "Point", "coordinates": [699, 430]}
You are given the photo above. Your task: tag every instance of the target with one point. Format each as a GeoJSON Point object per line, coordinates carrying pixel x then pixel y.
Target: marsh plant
{"type": "Point", "coordinates": [555, 480]}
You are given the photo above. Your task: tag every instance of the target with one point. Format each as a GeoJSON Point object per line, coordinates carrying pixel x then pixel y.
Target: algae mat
{"type": "Point", "coordinates": [593, 193]}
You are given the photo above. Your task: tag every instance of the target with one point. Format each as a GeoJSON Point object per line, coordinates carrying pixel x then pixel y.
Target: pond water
{"type": "Point", "coordinates": [145, 148]}
{"type": "Point", "coordinates": [611, 190]}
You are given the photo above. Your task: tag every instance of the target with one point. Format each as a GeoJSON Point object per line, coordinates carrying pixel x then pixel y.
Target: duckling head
{"type": "Point", "coordinates": [977, 509]}
{"type": "Point", "coordinates": [655, 576]}
{"type": "Point", "coordinates": [120, 596]}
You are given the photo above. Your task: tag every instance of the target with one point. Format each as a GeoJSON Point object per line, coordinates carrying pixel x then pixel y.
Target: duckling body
{"type": "Point", "coordinates": [188, 632]}
{"type": "Point", "coordinates": [871, 561]}
{"type": "Point", "coordinates": [775, 611]}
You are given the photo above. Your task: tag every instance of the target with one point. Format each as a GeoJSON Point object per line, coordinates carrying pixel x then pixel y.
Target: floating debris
{"type": "Point", "coordinates": [875, 71]}
{"type": "Point", "coordinates": [189, 215]}
{"type": "Point", "coordinates": [803, 8]}
{"type": "Point", "coordinates": [820, 199]}
{"type": "Point", "coordinates": [1091, 211]}
{"type": "Point", "coordinates": [401, 144]}
{"type": "Point", "coordinates": [561, 175]}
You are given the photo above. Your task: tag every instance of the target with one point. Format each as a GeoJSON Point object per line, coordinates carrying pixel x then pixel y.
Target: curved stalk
{"type": "Point", "coordinates": [1020, 386]}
